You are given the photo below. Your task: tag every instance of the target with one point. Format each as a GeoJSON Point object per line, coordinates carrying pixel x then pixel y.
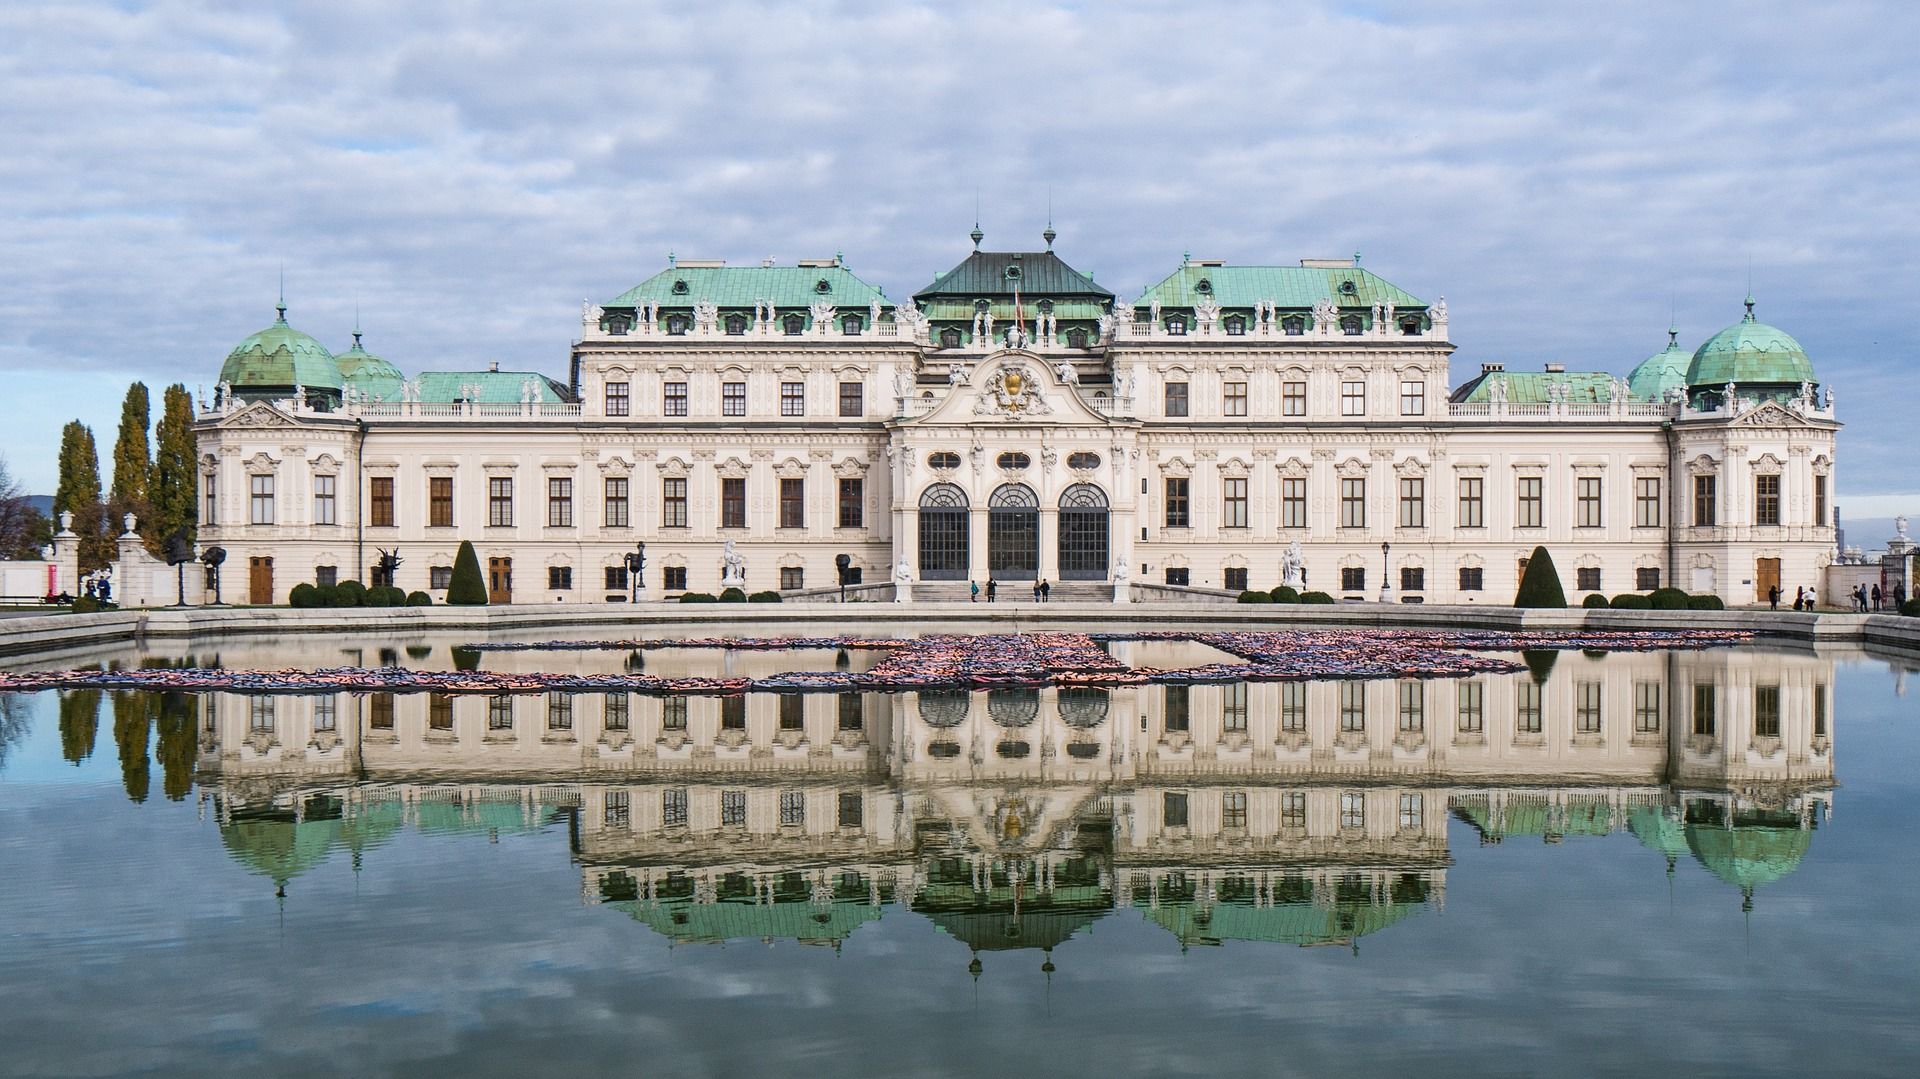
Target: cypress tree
{"type": "Point", "coordinates": [1540, 585]}
{"type": "Point", "coordinates": [131, 464]}
{"type": "Point", "coordinates": [79, 723]}
{"type": "Point", "coordinates": [170, 492]}
{"type": "Point", "coordinates": [468, 588]}
{"type": "Point", "coordinates": [132, 725]}
{"type": "Point", "coordinates": [79, 494]}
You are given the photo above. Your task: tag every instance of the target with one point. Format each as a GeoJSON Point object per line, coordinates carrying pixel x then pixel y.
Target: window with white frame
{"type": "Point", "coordinates": [1646, 502]}
{"type": "Point", "coordinates": [261, 499]}
{"type": "Point", "coordinates": [1353, 502]}
{"type": "Point", "coordinates": [1234, 502]}
{"type": "Point", "coordinates": [323, 500]}
{"type": "Point", "coordinates": [793, 398]}
{"type": "Point", "coordinates": [1413, 502]}
{"type": "Point", "coordinates": [1586, 502]}
{"type": "Point", "coordinates": [1233, 399]}
{"type": "Point", "coordinates": [1353, 398]}
{"type": "Point", "coordinates": [1413, 398]}
{"type": "Point", "coordinates": [616, 502]}
{"type": "Point", "coordinates": [673, 399]}
{"type": "Point", "coordinates": [618, 401]}
{"type": "Point", "coordinates": [733, 398]}
{"type": "Point", "coordinates": [1293, 398]}
{"type": "Point", "coordinates": [1293, 502]}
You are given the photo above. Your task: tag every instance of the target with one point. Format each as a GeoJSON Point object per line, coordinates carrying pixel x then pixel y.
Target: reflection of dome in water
{"type": "Point", "coordinates": [1658, 831]}
{"type": "Point", "coordinates": [275, 845]}
{"type": "Point", "coordinates": [1292, 917]}
{"type": "Point", "coordinates": [1760, 848]}
{"type": "Point", "coordinates": [801, 910]}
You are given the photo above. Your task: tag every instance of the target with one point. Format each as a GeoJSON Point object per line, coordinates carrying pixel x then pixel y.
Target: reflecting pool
{"type": "Point", "coordinates": [1647, 862]}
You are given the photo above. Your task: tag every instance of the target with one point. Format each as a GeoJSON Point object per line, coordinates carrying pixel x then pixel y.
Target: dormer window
{"type": "Point", "coordinates": [1203, 286]}
{"type": "Point", "coordinates": [1410, 327]}
{"type": "Point", "coordinates": [823, 286]}
{"type": "Point", "coordinates": [795, 325]}
{"type": "Point", "coordinates": [1176, 325]}
{"type": "Point", "coordinates": [979, 307]}
{"type": "Point", "coordinates": [677, 325]}
{"type": "Point", "coordinates": [1293, 325]}
{"type": "Point", "coordinates": [1013, 273]}
{"type": "Point", "coordinates": [736, 325]}
{"type": "Point", "coordinates": [1076, 338]}
{"type": "Point", "coordinates": [1348, 288]}
{"type": "Point", "coordinates": [679, 288]}
{"type": "Point", "coordinates": [949, 338]}
{"type": "Point", "coordinates": [850, 325]}
{"type": "Point", "coordinates": [1045, 306]}
{"type": "Point", "coordinates": [618, 325]}
{"type": "Point", "coordinates": [1236, 326]}
{"type": "Point", "coordinates": [1350, 325]}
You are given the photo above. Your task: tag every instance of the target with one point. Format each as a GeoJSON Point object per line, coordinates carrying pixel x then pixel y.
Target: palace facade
{"type": "Point", "coordinates": [1017, 421]}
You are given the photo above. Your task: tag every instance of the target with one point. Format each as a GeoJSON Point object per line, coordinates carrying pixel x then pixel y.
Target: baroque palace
{"type": "Point", "coordinates": [1016, 421]}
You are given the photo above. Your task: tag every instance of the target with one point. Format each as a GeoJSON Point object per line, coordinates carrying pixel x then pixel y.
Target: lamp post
{"type": "Point", "coordinates": [636, 571]}
{"type": "Point", "coordinates": [1386, 573]}
{"type": "Point", "coordinates": [841, 562]}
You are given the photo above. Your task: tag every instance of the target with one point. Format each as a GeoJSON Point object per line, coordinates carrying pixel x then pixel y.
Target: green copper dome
{"type": "Point", "coordinates": [362, 370]}
{"type": "Point", "coordinates": [1661, 371]}
{"type": "Point", "coordinates": [280, 358]}
{"type": "Point", "coordinates": [1749, 353]}
{"type": "Point", "coordinates": [1759, 849]}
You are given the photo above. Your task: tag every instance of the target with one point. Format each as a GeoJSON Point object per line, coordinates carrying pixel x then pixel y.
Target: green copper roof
{"type": "Point", "coordinates": [1063, 310]}
{"type": "Point", "coordinates": [1288, 286]}
{"type": "Point", "coordinates": [1750, 352]}
{"type": "Point", "coordinates": [1746, 856]}
{"type": "Point", "coordinates": [743, 286]}
{"type": "Point", "coordinates": [280, 848]}
{"type": "Point", "coordinates": [495, 387]}
{"type": "Point", "coordinates": [1661, 371]}
{"type": "Point", "coordinates": [1530, 387]}
{"type": "Point", "coordinates": [368, 373]}
{"type": "Point", "coordinates": [281, 357]}
{"type": "Point", "coordinates": [1531, 817]}
{"type": "Point", "coordinates": [995, 273]}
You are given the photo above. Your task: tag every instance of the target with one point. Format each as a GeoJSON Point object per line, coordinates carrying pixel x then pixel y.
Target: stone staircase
{"type": "Point", "coordinates": [1020, 592]}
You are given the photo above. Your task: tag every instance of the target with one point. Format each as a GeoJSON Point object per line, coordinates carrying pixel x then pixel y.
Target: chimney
{"type": "Point", "coordinates": [1492, 368]}
{"type": "Point", "coordinates": [1556, 369]}
{"type": "Point", "coordinates": [493, 365]}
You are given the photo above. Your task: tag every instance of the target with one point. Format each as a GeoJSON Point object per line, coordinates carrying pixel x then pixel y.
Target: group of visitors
{"type": "Point", "coordinates": [1803, 598]}
{"type": "Point", "coordinates": [1042, 590]}
{"type": "Point", "coordinates": [1867, 599]}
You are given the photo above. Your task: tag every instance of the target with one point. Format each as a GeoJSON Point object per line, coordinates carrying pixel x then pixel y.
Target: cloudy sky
{"type": "Point", "coordinates": [1569, 177]}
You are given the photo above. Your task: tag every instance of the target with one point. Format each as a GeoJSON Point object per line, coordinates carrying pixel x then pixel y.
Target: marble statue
{"type": "Point", "coordinates": [902, 582]}
{"type": "Point", "coordinates": [1293, 565]}
{"type": "Point", "coordinates": [1069, 375]}
{"type": "Point", "coordinates": [733, 567]}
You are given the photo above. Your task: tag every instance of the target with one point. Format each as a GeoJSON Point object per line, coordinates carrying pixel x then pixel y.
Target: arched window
{"type": "Point", "coordinates": [1410, 326]}
{"type": "Point", "coordinates": [618, 324]}
{"type": "Point", "coordinates": [1015, 496]}
{"type": "Point", "coordinates": [1293, 325]}
{"type": "Point", "coordinates": [1076, 338]}
{"type": "Point", "coordinates": [1015, 707]}
{"type": "Point", "coordinates": [1236, 326]}
{"type": "Point", "coordinates": [736, 325]}
{"type": "Point", "coordinates": [850, 325]}
{"type": "Point", "coordinates": [1013, 532]}
{"type": "Point", "coordinates": [1177, 325]}
{"type": "Point", "coordinates": [1083, 460]}
{"type": "Point", "coordinates": [944, 531]}
{"type": "Point", "coordinates": [942, 708]}
{"type": "Point", "coordinates": [1083, 707]}
{"type": "Point", "coordinates": [677, 324]}
{"type": "Point", "coordinates": [943, 496]}
{"type": "Point", "coordinates": [943, 459]}
{"type": "Point", "coordinates": [1350, 325]}
{"type": "Point", "coordinates": [1013, 462]}
{"type": "Point", "coordinates": [1084, 545]}
{"type": "Point", "coordinates": [950, 338]}
{"type": "Point", "coordinates": [795, 325]}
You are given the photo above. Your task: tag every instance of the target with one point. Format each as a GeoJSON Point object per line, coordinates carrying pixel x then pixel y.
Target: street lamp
{"type": "Point", "coordinates": [1386, 573]}
{"type": "Point", "coordinates": [636, 570]}
{"type": "Point", "coordinates": [841, 562]}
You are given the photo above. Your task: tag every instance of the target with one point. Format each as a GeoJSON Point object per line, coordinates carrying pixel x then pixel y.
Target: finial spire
{"type": "Point", "coordinates": [977, 235]}
{"type": "Point", "coordinates": [281, 305]}
{"type": "Point", "coordinates": [1749, 303]}
{"type": "Point", "coordinates": [1049, 234]}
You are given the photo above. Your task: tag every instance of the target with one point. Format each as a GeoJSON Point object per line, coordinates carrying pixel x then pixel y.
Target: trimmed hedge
{"type": "Point", "coordinates": [1315, 597]}
{"type": "Point", "coordinates": [1705, 603]}
{"type": "Point", "coordinates": [1668, 599]}
{"type": "Point", "coordinates": [419, 599]}
{"type": "Point", "coordinates": [468, 588]}
{"type": "Point", "coordinates": [764, 597]}
{"type": "Point", "coordinates": [350, 594]}
{"type": "Point", "coordinates": [303, 595]}
{"type": "Point", "coordinates": [1540, 587]}
{"type": "Point", "coordinates": [87, 605]}
{"type": "Point", "coordinates": [1255, 597]}
{"type": "Point", "coordinates": [697, 597]}
{"type": "Point", "coordinates": [733, 595]}
{"type": "Point", "coordinates": [1595, 600]}
{"type": "Point", "coordinates": [1630, 601]}
{"type": "Point", "coordinates": [377, 597]}
{"type": "Point", "coordinates": [1284, 593]}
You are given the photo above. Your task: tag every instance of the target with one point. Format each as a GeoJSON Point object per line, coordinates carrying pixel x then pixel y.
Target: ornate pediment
{"type": "Point", "coordinates": [1011, 391]}
{"type": "Point", "coordinates": [1769, 414]}
{"type": "Point", "coordinates": [259, 415]}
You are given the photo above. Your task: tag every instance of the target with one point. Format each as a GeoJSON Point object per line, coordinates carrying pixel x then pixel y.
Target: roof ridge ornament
{"type": "Point", "coordinates": [1749, 302]}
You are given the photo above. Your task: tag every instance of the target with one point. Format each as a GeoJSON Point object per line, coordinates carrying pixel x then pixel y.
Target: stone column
{"type": "Point", "coordinates": [977, 545]}
{"type": "Point", "coordinates": [1050, 543]}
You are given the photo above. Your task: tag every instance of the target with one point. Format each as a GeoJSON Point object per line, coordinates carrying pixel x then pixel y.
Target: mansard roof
{"type": "Point", "coordinates": [1288, 286]}
{"type": "Point", "coordinates": [495, 387]}
{"type": "Point", "coordinates": [1038, 274]}
{"type": "Point", "coordinates": [1530, 387]}
{"type": "Point", "coordinates": [744, 286]}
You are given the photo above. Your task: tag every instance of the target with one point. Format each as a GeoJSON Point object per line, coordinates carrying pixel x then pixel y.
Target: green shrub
{"type": "Point", "coordinates": [1284, 593]}
{"type": "Point", "coordinates": [377, 597]}
{"type": "Point", "coordinates": [1630, 601]}
{"type": "Point", "coordinates": [350, 594]}
{"type": "Point", "coordinates": [1255, 597]}
{"type": "Point", "coordinates": [303, 595]}
{"type": "Point", "coordinates": [468, 588]}
{"type": "Point", "coordinates": [324, 595]}
{"type": "Point", "coordinates": [1540, 663]}
{"type": "Point", "coordinates": [764, 597]}
{"type": "Point", "coordinates": [1595, 600]}
{"type": "Point", "coordinates": [1668, 599]}
{"type": "Point", "coordinates": [86, 605]}
{"type": "Point", "coordinates": [465, 659]}
{"type": "Point", "coordinates": [1706, 603]}
{"type": "Point", "coordinates": [419, 599]}
{"type": "Point", "coordinates": [733, 595]}
{"type": "Point", "coordinates": [1315, 597]}
{"type": "Point", "coordinates": [1540, 587]}
{"type": "Point", "coordinates": [697, 597]}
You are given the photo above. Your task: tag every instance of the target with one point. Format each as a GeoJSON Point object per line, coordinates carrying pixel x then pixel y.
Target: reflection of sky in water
{"type": "Point", "coordinates": [492, 935]}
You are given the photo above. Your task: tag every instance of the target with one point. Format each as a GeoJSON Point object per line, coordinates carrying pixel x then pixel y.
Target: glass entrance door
{"type": "Point", "coordinates": [1013, 533]}
{"type": "Point", "coordinates": [944, 541]}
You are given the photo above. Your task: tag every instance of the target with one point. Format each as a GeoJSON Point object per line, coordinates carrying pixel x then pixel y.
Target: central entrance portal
{"type": "Point", "coordinates": [943, 533]}
{"type": "Point", "coordinates": [1013, 533]}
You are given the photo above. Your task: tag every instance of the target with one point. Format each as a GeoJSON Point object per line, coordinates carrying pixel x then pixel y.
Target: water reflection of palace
{"type": "Point", "coordinates": [1307, 813]}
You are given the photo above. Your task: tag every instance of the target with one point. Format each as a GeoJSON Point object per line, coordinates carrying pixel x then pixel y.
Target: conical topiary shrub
{"type": "Point", "coordinates": [468, 588]}
{"type": "Point", "coordinates": [1540, 585]}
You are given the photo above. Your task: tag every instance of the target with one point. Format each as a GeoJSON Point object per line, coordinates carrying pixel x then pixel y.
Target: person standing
{"type": "Point", "coordinates": [1773, 597]}
{"type": "Point", "coordinates": [973, 591]}
{"type": "Point", "coordinates": [1800, 598]}
{"type": "Point", "coordinates": [1036, 591]}
{"type": "Point", "coordinates": [993, 589]}
{"type": "Point", "coordinates": [1899, 594]}
{"type": "Point", "coordinates": [1046, 590]}
{"type": "Point", "coordinates": [1876, 597]}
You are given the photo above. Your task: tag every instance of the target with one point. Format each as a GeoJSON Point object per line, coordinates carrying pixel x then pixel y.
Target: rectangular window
{"type": "Point", "coordinates": [853, 399]}
{"type": "Point", "coordinates": [1472, 707]}
{"type": "Point", "coordinates": [1473, 490]}
{"type": "Point", "coordinates": [262, 499]}
{"type": "Point", "coordinates": [1177, 510]}
{"type": "Point", "coordinates": [618, 403]}
{"type": "Point", "coordinates": [1820, 502]}
{"type": "Point", "coordinates": [1176, 399]}
{"type": "Point", "coordinates": [440, 577]}
{"type": "Point", "coordinates": [853, 502]}
{"type": "Point", "coordinates": [1413, 398]}
{"type": "Point", "coordinates": [793, 398]}
{"type": "Point", "coordinates": [559, 711]}
{"type": "Point", "coordinates": [673, 502]}
{"type": "Point", "coordinates": [733, 808]}
{"type": "Point", "coordinates": [852, 810]}
{"type": "Point", "coordinates": [1705, 500]}
{"type": "Point", "coordinates": [1236, 578]}
{"type": "Point", "coordinates": [793, 712]}
{"type": "Point", "coordinates": [733, 502]}
{"type": "Point", "coordinates": [1353, 502]}
{"type": "Point", "coordinates": [1587, 578]}
{"type": "Point", "coordinates": [1413, 579]}
{"type": "Point", "coordinates": [673, 399]}
{"type": "Point", "coordinates": [617, 579]}
{"type": "Point", "coordinates": [1176, 709]}
{"type": "Point", "coordinates": [1353, 707]}
{"type": "Point", "coordinates": [1293, 502]}
{"type": "Point", "coordinates": [440, 501]}
{"type": "Point", "coordinates": [380, 711]}
{"type": "Point", "coordinates": [1293, 706]}
{"type": "Point", "coordinates": [327, 576]}
{"type": "Point", "coordinates": [673, 578]}
{"type": "Point", "coordinates": [619, 810]}
{"type": "Point", "coordinates": [733, 713]}
{"type": "Point", "coordinates": [325, 713]}
{"type": "Point", "coordinates": [380, 501]}
{"type": "Point", "coordinates": [210, 499]}
{"type": "Point", "coordinates": [792, 577]}
{"type": "Point", "coordinates": [673, 806]}
{"type": "Point", "coordinates": [1530, 508]}
{"type": "Point", "coordinates": [1646, 579]}
{"type": "Point", "coordinates": [1526, 706]}
{"type": "Point", "coordinates": [1234, 497]}
{"type": "Point", "coordinates": [1233, 708]}
{"type": "Point", "coordinates": [559, 578]}
{"type": "Point", "coordinates": [1819, 709]}
{"type": "Point", "coordinates": [559, 502]}
{"type": "Point", "coordinates": [851, 716]}
{"type": "Point", "coordinates": [440, 711]}
{"type": "Point", "coordinates": [1472, 579]}
{"type": "Point", "coordinates": [1353, 398]}
{"type": "Point", "coordinates": [1233, 810]}
{"type": "Point", "coordinates": [733, 398]}
{"type": "Point", "coordinates": [1586, 708]}
{"type": "Point", "coordinates": [1586, 502]}
{"type": "Point", "coordinates": [1233, 400]}
{"type": "Point", "coordinates": [1646, 502]}
{"type": "Point", "coordinates": [793, 503]}
{"type": "Point", "coordinates": [323, 500]}
{"type": "Point", "coordinates": [1766, 711]}
{"type": "Point", "coordinates": [1413, 502]}
{"type": "Point", "coordinates": [1705, 711]}
{"type": "Point", "coordinates": [1293, 810]}
{"type": "Point", "coordinates": [1413, 707]}
{"type": "Point", "coordinates": [616, 502]}
{"type": "Point", "coordinates": [260, 715]}
{"type": "Point", "coordinates": [1646, 708]}
{"type": "Point", "coordinates": [1353, 810]}
{"type": "Point", "coordinates": [1412, 812]}
{"type": "Point", "coordinates": [1766, 500]}
{"type": "Point", "coordinates": [1173, 809]}
{"type": "Point", "coordinates": [793, 808]}
{"type": "Point", "coordinates": [1353, 579]}
{"type": "Point", "coordinates": [499, 502]}
{"type": "Point", "coordinates": [618, 713]}
{"type": "Point", "coordinates": [673, 713]}
{"type": "Point", "coordinates": [1293, 398]}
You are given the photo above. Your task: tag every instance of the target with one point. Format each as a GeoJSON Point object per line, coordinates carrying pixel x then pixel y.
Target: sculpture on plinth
{"type": "Point", "coordinates": [733, 568]}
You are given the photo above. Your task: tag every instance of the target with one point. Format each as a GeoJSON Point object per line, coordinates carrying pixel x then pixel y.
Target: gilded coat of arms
{"type": "Point", "coordinates": [1011, 392]}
